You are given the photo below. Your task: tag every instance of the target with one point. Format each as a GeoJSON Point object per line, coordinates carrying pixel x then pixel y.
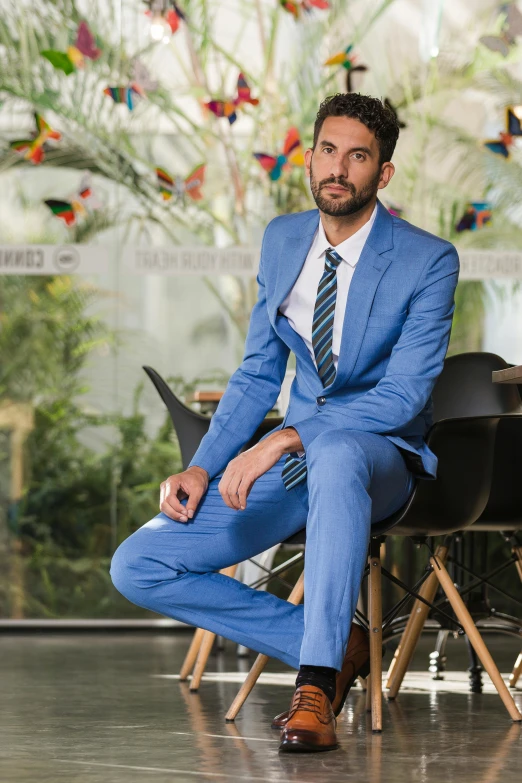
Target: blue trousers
{"type": "Point", "coordinates": [354, 478]}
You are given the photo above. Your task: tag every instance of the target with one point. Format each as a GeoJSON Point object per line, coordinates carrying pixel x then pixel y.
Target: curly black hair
{"type": "Point", "coordinates": [370, 111]}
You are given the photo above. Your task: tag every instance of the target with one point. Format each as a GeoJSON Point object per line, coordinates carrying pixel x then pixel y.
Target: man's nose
{"type": "Point", "coordinates": [339, 168]}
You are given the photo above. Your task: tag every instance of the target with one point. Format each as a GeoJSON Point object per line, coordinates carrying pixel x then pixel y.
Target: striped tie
{"type": "Point", "coordinates": [294, 469]}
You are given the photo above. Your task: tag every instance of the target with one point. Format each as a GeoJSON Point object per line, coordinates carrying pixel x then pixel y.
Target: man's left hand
{"type": "Point", "coordinates": [242, 471]}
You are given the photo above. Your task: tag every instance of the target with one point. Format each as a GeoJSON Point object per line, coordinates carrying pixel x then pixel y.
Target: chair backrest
{"type": "Point", "coordinates": [190, 426]}
{"type": "Point", "coordinates": [467, 408]}
{"type": "Point", "coordinates": [503, 511]}
{"type": "Point", "coordinates": [465, 388]}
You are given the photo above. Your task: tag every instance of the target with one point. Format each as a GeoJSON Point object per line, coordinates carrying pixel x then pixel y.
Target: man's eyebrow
{"type": "Point", "coordinates": [366, 150]}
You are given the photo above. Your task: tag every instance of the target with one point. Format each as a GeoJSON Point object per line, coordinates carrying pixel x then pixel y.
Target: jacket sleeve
{"type": "Point", "coordinates": [415, 363]}
{"type": "Point", "coordinates": [251, 391]}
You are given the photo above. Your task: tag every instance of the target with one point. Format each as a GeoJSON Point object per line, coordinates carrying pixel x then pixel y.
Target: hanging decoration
{"type": "Point", "coordinates": [141, 84]}
{"type": "Point", "coordinates": [228, 108]}
{"type": "Point", "coordinates": [34, 149]}
{"type": "Point", "coordinates": [180, 187]}
{"type": "Point", "coordinates": [165, 17]}
{"type": "Point", "coordinates": [296, 7]}
{"type": "Point", "coordinates": [393, 110]}
{"type": "Point", "coordinates": [511, 29]}
{"type": "Point", "coordinates": [70, 211]}
{"type": "Point", "coordinates": [292, 154]}
{"type": "Point", "coordinates": [123, 95]}
{"type": "Point", "coordinates": [347, 60]}
{"type": "Point", "coordinates": [476, 215]}
{"type": "Point", "coordinates": [506, 139]}
{"type": "Point", "coordinates": [394, 210]}
{"type": "Point", "coordinates": [83, 47]}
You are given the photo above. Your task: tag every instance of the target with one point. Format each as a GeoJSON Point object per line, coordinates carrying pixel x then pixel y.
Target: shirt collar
{"type": "Point", "coordinates": [351, 248]}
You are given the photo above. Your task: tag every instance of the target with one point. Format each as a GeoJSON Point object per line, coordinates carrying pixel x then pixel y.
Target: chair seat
{"type": "Point", "coordinates": [298, 539]}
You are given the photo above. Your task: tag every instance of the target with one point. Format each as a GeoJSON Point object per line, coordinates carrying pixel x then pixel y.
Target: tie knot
{"type": "Point", "coordinates": [333, 259]}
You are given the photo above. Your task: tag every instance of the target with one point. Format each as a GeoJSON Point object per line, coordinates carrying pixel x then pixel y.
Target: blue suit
{"type": "Point", "coordinates": [363, 438]}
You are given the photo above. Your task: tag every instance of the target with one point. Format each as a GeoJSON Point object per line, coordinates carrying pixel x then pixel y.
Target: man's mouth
{"type": "Point", "coordinates": [336, 188]}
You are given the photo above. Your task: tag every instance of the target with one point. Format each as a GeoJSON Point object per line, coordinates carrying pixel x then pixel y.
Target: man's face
{"type": "Point", "coordinates": [344, 168]}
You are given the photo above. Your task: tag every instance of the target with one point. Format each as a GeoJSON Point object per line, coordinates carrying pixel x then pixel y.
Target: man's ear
{"type": "Point", "coordinates": [387, 172]}
{"type": "Point", "coordinates": [308, 160]}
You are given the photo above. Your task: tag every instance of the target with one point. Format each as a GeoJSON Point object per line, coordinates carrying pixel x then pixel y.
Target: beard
{"type": "Point", "coordinates": [345, 204]}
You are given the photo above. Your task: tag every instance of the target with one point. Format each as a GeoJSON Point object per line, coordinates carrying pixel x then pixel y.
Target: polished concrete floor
{"type": "Point", "coordinates": [91, 708]}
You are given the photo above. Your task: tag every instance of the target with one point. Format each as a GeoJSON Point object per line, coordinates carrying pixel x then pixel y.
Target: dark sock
{"type": "Point", "coordinates": [322, 677]}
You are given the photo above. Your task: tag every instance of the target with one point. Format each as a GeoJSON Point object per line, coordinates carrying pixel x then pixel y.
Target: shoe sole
{"type": "Point", "coordinates": [304, 747]}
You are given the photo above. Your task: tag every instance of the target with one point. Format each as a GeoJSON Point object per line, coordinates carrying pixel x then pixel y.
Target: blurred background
{"type": "Point", "coordinates": [133, 133]}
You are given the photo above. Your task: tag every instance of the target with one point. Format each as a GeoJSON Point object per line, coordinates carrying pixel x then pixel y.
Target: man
{"type": "Point", "coordinates": [365, 301]}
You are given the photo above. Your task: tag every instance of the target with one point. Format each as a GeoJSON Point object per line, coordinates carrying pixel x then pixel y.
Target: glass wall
{"type": "Point", "coordinates": [137, 149]}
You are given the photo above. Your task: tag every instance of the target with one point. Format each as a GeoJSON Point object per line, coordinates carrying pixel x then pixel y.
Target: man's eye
{"type": "Point", "coordinates": [359, 155]}
{"type": "Point", "coordinates": [327, 148]}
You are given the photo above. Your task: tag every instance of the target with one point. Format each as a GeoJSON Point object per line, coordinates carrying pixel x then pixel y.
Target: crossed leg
{"type": "Point", "coordinates": [170, 567]}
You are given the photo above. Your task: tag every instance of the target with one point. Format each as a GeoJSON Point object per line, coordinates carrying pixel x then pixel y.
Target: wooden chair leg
{"type": "Point", "coordinates": [375, 612]}
{"type": "Point", "coordinates": [295, 597]}
{"type": "Point", "coordinates": [206, 644]}
{"type": "Point", "coordinates": [517, 671]}
{"type": "Point", "coordinates": [192, 654]}
{"type": "Point", "coordinates": [413, 630]}
{"type": "Point", "coordinates": [201, 661]}
{"type": "Point", "coordinates": [465, 619]}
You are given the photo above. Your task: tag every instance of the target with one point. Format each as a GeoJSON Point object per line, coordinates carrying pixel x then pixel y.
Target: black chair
{"type": "Point", "coordinates": [502, 515]}
{"type": "Point", "coordinates": [503, 512]}
{"type": "Point", "coordinates": [467, 408]}
{"type": "Point", "coordinates": [190, 428]}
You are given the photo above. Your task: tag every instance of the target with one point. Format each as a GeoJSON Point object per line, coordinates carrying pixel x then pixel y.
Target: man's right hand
{"type": "Point", "coordinates": [191, 484]}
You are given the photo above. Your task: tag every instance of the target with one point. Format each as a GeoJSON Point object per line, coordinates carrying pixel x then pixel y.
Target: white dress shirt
{"type": "Point", "coordinates": [299, 305]}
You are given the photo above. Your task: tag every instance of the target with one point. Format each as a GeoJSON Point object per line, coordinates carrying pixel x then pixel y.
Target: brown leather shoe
{"type": "Point", "coordinates": [311, 723]}
{"type": "Point", "coordinates": [356, 664]}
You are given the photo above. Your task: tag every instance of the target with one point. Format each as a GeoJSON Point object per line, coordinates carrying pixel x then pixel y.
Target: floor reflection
{"type": "Point", "coordinates": [93, 708]}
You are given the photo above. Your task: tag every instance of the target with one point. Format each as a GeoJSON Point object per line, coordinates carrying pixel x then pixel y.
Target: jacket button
{"type": "Point", "coordinates": [321, 400]}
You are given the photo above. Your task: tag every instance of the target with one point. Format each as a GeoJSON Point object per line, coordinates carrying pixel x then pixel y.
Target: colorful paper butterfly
{"type": "Point", "coordinates": [228, 108]}
{"type": "Point", "coordinates": [395, 211]}
{"type": "Point", "coordinates": [141, 83]}
{"type": "Point", "coordinates": [84, 46]}
{"type": "Point", "coordinates": [292, 154]}
{"type": "Point", "coordinates": [476, 215]}
{"type": "Point", "coordinates": [179, 187]}
{"type": "Point", "coordinates": [126, 95]}
{"type": "Point", "coordinates": [503, 144]}
{"type": "Point", "coordinates": [68, 211]}
{"type": "Point", "coordinates": [348, 61]}
{"type": "Point", "coordinates": [511, 29]}
{"type": "Point", "coordinates": [33, 149]}
{"type": "Point", "coordinates": [295, 7]}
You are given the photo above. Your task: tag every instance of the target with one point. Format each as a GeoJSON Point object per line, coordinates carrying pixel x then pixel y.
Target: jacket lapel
{"type": "Point", "coordinates": [292, 256]}
{"type": "Point", "coordinates": [368, 273]}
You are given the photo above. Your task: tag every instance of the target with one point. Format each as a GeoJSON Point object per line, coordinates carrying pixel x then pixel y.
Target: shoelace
{"type": "Point", "coordinates": [306, 701]}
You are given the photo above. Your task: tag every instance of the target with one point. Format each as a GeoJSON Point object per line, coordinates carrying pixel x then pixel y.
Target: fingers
{"type": "Point", "coordinates": [234, 490]}
{"type": "Point", "coordinates": [227, 492]}
{"type": "Point", "coordinates": [243, 491]}
{"type": "Point", "coordinates": [169, 501]}
{"type": "Point", "coordinates": [193, 501]}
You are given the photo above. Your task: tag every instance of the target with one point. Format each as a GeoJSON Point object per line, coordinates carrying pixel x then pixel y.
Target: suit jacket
{"type": "Point", "coordinates": [395, 336]}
